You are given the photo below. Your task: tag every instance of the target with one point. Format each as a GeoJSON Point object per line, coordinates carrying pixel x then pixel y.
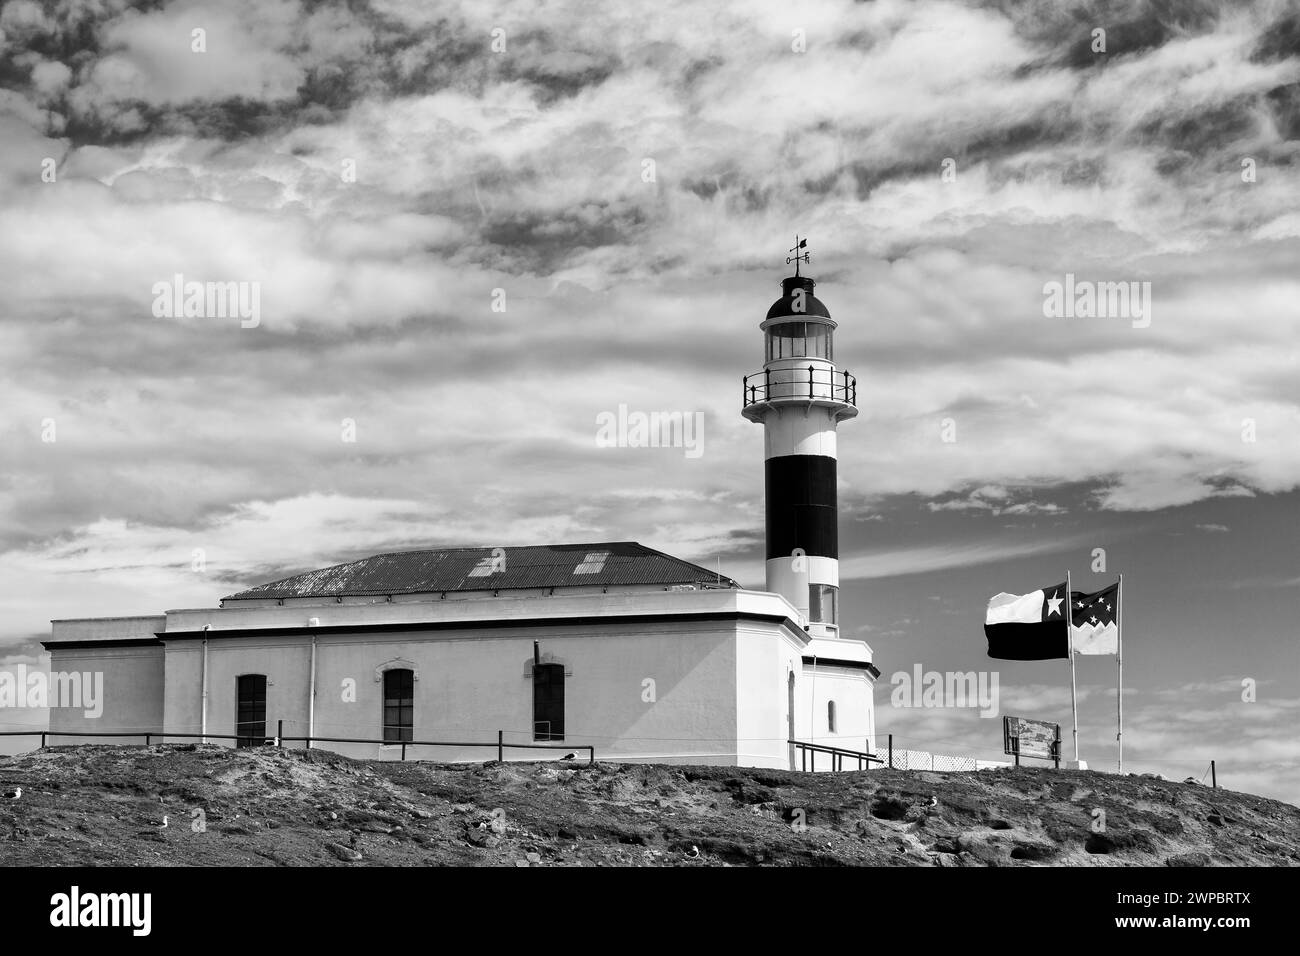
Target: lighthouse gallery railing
{"type": "Point", "coordinates": [810, 384]}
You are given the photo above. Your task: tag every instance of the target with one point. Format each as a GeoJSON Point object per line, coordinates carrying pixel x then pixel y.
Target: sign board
{"type": "Point", "coordinates": [1026, 737]}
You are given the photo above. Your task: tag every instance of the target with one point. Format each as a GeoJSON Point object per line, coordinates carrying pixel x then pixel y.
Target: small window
{"type": "Point", "coordinates": [823, 603]}
{"type": "Point", "coordinates": [830, 715]}
{"type": "Point", "coordinates": [250, 694]}
{"type": "Point", "coordinates": [789, 339]}
{"type": "Point", "coordinates": [399, 705]}
{"type": "Point", "coordinates": [548, 702]}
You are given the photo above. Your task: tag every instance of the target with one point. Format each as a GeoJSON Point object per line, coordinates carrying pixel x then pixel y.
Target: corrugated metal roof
{"type": "Point", "coordinates": [489, 569]}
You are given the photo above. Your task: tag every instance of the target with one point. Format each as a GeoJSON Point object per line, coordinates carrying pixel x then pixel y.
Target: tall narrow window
{"type": "Point", "coordinates": [250, 709]}
{"type": "Point", "coordinates": [823, 603]}
{"type": "Point", "coordinates": [399, 705]}
{"type": "Point", "coordinates": [548, 702]}
{"type": "Point", "coordinates": [830, 715]}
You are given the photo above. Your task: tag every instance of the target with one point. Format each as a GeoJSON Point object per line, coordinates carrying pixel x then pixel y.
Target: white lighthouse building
{"type": "Point", "coordinates": [470, 653]}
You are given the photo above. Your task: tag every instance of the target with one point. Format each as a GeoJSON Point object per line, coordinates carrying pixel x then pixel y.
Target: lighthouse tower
{"type": "Point", "coordinates": [800, 398]}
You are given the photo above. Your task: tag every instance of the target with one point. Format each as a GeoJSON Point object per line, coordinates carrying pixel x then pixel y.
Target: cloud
{"type": "Point", "coordinates": [888, 563]}
{"type": "Point", "coordinates": [523, 172]}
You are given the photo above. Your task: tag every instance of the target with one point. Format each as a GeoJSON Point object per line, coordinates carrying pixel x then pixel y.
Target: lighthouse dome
{"type": "Point", "coordinates": [786, 305]}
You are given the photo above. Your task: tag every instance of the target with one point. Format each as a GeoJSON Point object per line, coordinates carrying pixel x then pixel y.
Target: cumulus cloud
{"type": "Point", "coordinates": [524, 171]}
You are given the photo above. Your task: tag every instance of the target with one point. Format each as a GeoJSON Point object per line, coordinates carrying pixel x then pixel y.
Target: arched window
{"type": "Point", "coordinates": [548, 702]}
{"type": "Point", "coordinates": [830, 715]}
{"type": "Point", "coordinates": [250, 710]}
{"type": "Point", "coordinates": [399, 705]}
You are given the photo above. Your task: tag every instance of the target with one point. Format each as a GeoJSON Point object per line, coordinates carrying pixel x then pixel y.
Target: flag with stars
{"type": "Point", "coordinates": [1028, 627]}
{"type": "Point", "coordinates": [1094, 621]}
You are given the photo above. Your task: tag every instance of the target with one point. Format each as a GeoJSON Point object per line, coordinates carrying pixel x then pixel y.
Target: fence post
{"type": "Point", "coordinates": [1214, 780]}
{"type": "Point", "coordinates": [501, 750]}
{"type": "Point", "coordinates": [279, 733]}
{"type": "Point", "coordinates": [42, 741]}
{"type": "Point", "coordinates": [403, 751]}
{"type": "Point", "coordinates": [146, 740]}
{"type": "Point", "coordinates": [891, 751]}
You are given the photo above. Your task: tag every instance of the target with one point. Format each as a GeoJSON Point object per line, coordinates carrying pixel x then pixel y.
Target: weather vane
{"type": "Point", "coordinates": [797, 257]}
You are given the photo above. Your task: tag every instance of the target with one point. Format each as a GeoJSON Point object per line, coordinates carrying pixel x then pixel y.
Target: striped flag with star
{"type": "Point", "coordinates": [1028, 627]}
{"type": "Point", "coordinates": [1094, 621]}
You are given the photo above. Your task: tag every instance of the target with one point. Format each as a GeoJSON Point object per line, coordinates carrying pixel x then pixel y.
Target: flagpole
{"type": "Point", "coordinates": [1069, 640]}
{"type": "Point", "coordinates": [1119, 661]}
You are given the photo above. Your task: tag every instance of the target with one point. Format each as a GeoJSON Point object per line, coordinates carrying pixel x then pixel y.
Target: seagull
{"type": "Point", "coordinates": [694, 854]}
{"type": "Point", "coordinates": [569, 757]}
{"type": "Point", "coordinates": [13, 794]}
{"type": "Point", "coordinates": [164, 823]}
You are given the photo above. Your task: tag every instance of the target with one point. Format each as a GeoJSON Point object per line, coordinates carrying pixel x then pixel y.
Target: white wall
{"type": "Point", "coordinates": [131, 686]}
{"type": "Point", "coordinates": [764, 659]}
{"type": "Point", "coordinates": [854, 709]}
{"type": "Point", "coordinates": [470, 684]}
{"type": "Point", "coordinates": [851, 687]}
{"type": "Point", "coordinates": [132, 676]}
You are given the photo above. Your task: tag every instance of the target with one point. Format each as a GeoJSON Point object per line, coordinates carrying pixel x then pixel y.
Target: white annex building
{"type": "Point", "coordinates": [613, 645]}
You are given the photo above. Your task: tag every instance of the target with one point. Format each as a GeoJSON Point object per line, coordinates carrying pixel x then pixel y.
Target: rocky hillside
{"type": "Point", "coordinates": [206, 805]}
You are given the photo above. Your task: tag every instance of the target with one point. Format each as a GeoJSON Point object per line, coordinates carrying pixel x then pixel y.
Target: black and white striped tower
{"type": "Point", "coordinates": [800, 398]}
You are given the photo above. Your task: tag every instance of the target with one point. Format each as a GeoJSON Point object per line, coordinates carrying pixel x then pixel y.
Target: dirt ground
{"type": "Point", "coordinates": [195, 805]}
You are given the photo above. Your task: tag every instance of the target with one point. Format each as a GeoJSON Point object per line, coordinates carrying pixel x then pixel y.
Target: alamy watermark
{"type": "Point", "coordinates": [1085, 299]}
{"type": "Point", "coordinates": [936, 689]}
{"type": "Point", "coordinates": [626, 429]}
{"type": "Point", "coordinates": [129, 910]}
{"type": "Point", "coordinates": [208, 300]}
{"type": "Point", "coordinates": [75, 689]}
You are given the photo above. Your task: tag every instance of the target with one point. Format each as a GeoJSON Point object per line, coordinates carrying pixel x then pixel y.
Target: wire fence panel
{"type": "Point", "coordinates": [924, 760]}
{"type": "Point", "coordinates": [945, 762]}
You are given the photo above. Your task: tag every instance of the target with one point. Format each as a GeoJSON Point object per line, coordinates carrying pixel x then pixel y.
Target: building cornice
{"type": "Point", "coordinates": [867, 666]}
{"type": "Point", "coordinates": [112, 642]}
{"type": "Point", "coordinates": [478, 624]}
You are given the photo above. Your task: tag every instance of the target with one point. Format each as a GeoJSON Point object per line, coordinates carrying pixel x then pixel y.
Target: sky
{"type": "Point", "coordinates": [475, 228]}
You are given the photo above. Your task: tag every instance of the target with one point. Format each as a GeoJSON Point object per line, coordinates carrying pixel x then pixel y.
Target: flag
{"type": "Point", "coordinates": [1094, 627]}
{"type": "Point", "coordinates": [1028, 627]}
